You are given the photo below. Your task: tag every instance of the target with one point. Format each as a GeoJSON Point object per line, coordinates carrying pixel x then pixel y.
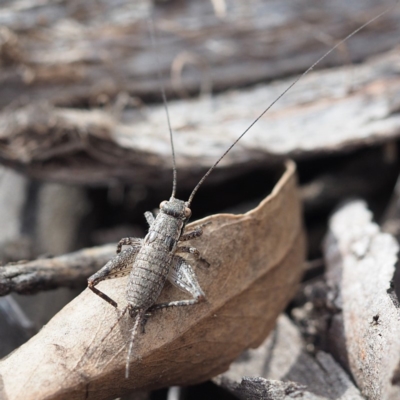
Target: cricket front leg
{"type": "Point", "coordinates": [197, 232]}
{"type": "Point", "coordinates": [118, 266]}
{"type": "Point", "coordinates": [182, 276]}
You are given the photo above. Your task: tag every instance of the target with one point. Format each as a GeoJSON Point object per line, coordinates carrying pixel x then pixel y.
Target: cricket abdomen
{"type": "Point", "coordinates": [148, 275]}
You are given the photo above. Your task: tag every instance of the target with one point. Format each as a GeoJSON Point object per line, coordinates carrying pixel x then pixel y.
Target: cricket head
{"type": "Point", "coordinates": [176, 208]}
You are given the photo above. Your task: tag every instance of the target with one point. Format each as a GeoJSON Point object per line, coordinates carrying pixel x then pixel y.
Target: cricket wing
{"type": "Point", "coordinates": [183, 277]}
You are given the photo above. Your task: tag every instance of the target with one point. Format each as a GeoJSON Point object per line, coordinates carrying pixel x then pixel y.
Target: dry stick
{"type": "Point", "coordinates": [67, 270]}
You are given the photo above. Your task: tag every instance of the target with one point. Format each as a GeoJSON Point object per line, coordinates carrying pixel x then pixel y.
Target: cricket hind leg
{"type": "Point", "coordinates": [118, 266]}
{"type": "Point", "coordinates": [183, 277]}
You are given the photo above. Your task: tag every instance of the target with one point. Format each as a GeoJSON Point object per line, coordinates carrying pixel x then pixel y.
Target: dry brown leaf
{"type": "Point", "coordinates": [256, 263]}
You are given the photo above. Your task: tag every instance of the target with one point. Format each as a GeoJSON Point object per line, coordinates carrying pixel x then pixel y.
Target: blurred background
{"type": "Point", "coordinates": [84, 142]}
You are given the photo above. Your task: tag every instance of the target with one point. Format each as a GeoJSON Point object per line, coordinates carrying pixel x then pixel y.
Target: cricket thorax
{"type": "Point", "coordinates": [167, 227]}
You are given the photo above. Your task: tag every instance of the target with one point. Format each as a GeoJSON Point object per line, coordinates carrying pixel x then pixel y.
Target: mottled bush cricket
{"type": "Point", "coordinates": [151, 261]}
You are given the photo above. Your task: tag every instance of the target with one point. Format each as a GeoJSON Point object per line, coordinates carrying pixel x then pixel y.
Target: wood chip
{"type": "Point", "coordinates": [48, 52]}
{"type": "Point", "coordinates": [94, 147]}
{"type": "Point", "coordinates": [361, 262]}
{"type": "Point", "coordinates": [283, 357]}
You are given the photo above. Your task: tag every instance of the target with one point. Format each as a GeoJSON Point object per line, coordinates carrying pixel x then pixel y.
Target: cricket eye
{"type": "Point", "coordinates": [188, 212]}
{"type": "Point", "coordinates": [163, 203]}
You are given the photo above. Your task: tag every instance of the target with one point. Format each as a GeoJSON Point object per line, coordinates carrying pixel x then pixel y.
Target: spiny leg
{"type": "Point", "coordinates": [182, 276]}
{"type": "Point", "coordinates": [103, 296]}
{"type": "Point", "coordinates": [128, 241]}
{"type": "Point", "coordinates": [197, 232]}
{"type": "Point", "coordinates": [194, 252]}
{"type": "Point", "coordinates": [117, 267]}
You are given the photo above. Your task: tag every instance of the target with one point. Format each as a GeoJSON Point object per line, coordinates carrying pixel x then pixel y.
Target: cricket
{"type": "Point", "coordinates": [157, 258]}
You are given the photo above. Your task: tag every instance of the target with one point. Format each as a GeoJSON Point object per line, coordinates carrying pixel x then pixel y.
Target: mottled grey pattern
{"type": "Point", "coordinates": [151, 261]}
{"type": "Point", "coordinates": [148, 276]}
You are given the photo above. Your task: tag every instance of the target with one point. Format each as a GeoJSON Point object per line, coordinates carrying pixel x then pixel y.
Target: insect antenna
{"type": "Point", "coordinates": [284, 92]}
{"type": "Point", "coordinates": [139, 316]}
{"type": "Point", "coordinates": [165, 102]}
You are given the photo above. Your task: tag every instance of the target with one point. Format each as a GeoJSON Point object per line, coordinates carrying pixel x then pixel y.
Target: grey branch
{"type": "Point", "coordinates": [68, 270]}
